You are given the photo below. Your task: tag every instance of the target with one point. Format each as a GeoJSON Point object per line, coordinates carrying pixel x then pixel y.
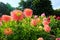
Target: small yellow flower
{"type": "Point", "coordinates": [40, 27]}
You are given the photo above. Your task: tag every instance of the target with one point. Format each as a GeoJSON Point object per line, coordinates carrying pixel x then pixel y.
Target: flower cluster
{"type": "Point", "coordinates": [24, 22]}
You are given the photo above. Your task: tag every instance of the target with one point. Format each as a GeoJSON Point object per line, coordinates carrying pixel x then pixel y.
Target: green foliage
{"type": "Point", "coordinates": [22, 30]}
{"type": "Point", "coordinates": [55, 26]}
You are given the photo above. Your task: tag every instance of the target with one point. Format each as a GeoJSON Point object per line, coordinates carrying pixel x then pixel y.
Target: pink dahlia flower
{"type": "Point", "coordinates": [47, 28]}
{"type": "Point", "coordinates": [43, 14]}
{"type": "Point", "coordinates": [46, 21]}
{"type": "Point", "coordinates": [57, 38]}
{"type": "Point", "coordinates": [35, 16]}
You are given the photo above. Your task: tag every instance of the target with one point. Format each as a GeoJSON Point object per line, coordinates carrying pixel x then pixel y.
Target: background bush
{"type": "Point", "coordinates": [57, 12]}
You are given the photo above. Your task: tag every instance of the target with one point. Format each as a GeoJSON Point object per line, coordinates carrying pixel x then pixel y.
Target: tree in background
{"type": "Point", "coordinates": [10, 8]}
{"type": "Point", "coordinates": [3, 8]}
{"type": "Point", "coordinates": [25, 4]}
{"type": "Point", "coordinates": [38, 6]}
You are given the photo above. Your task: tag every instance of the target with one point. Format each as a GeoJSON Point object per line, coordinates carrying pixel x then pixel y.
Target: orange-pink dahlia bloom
{"type": "Point", "coordinates": [6, 18]}
{"type": "Point", "coordinates": [33, 22]}
{"type": "Point", "coordinates": [17, 15]}
{"type": "Point", "coordinates": [38, 20]}
{"type": "Point", "coordinates": [28, 12]}
{"type": "Point", "coordinates": [8, 31]}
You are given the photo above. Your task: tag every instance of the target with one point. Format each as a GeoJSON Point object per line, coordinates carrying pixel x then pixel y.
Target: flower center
{"type": "Point", "coordinates": [18, 14]}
